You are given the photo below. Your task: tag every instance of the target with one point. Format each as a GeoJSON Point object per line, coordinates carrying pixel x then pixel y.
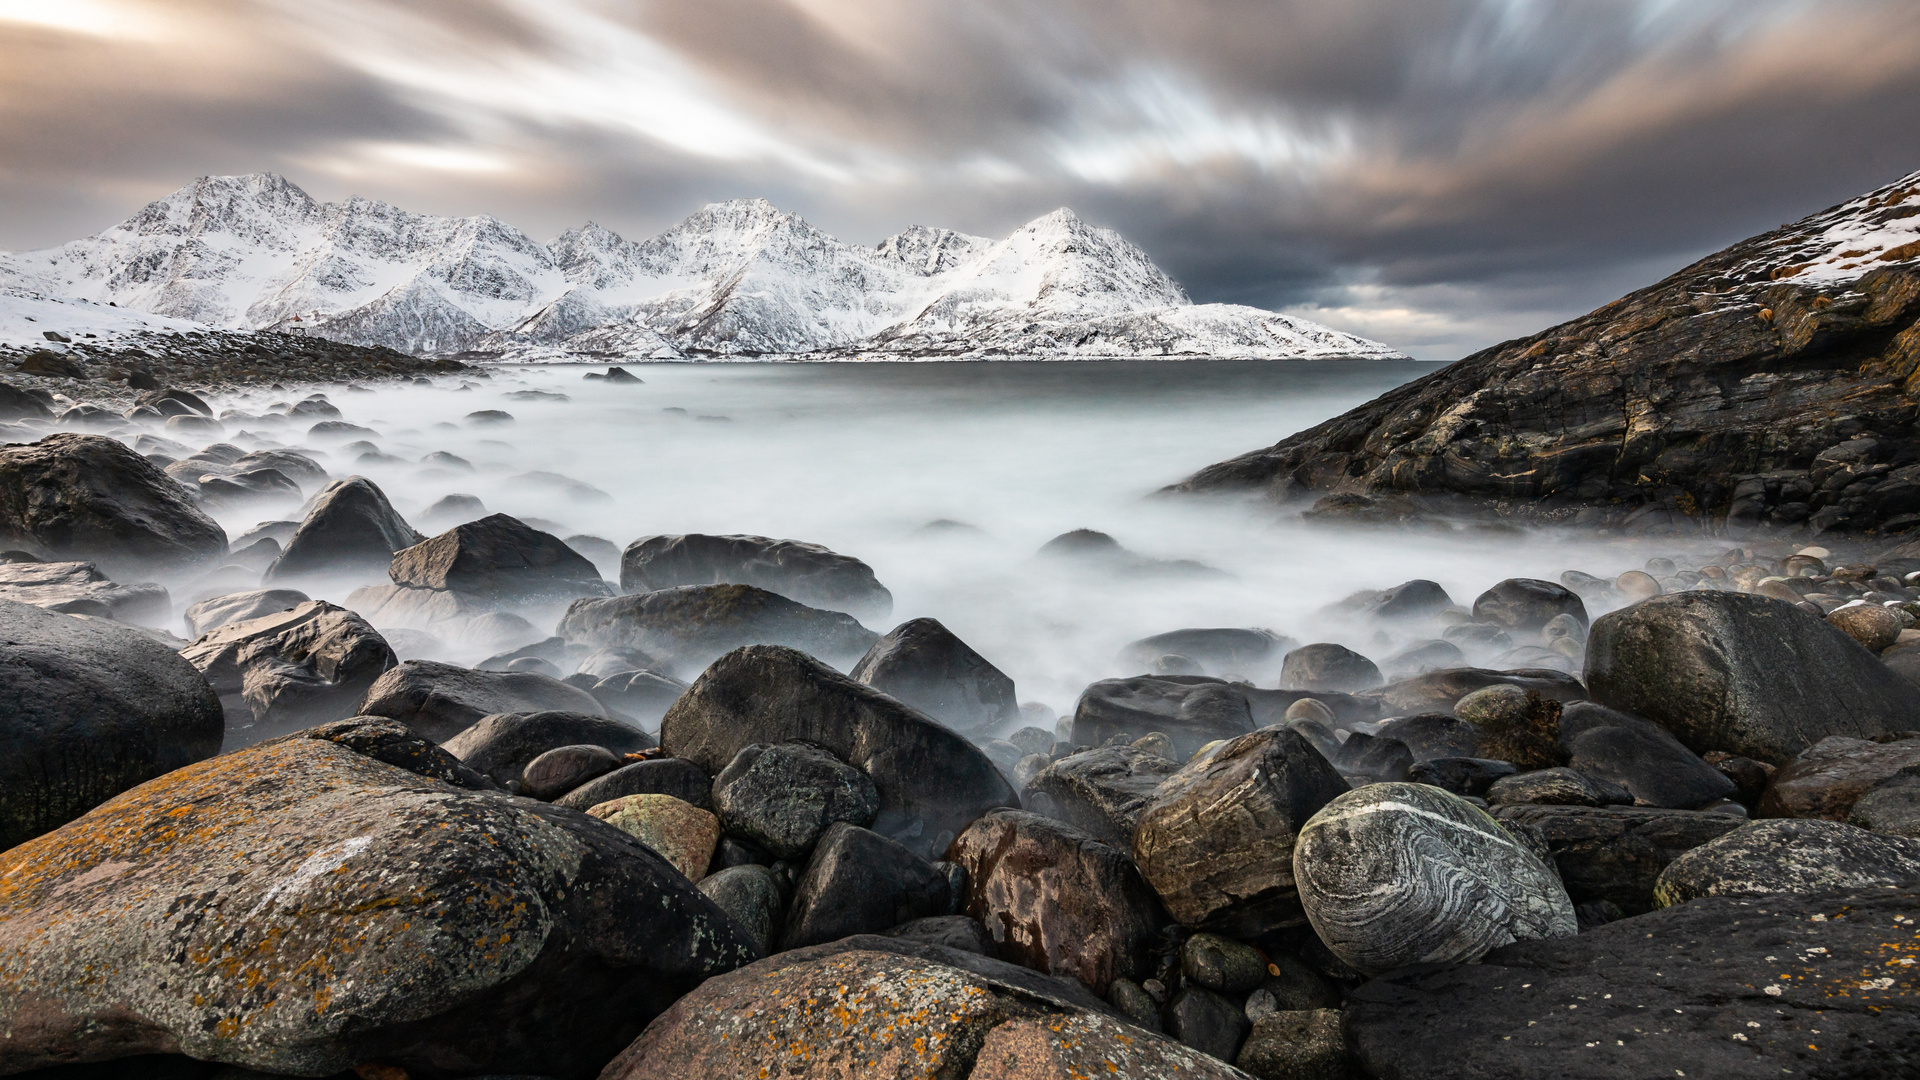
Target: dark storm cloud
{"type": "Point", "coordinates": [1437, 174]}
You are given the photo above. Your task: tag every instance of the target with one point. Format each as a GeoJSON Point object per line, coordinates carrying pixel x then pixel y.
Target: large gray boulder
{"type": "Point", "coordinates": [782, 797]}
{"type": "Point", "coordinates": [932, 782]}
{"type": "Point", "coordinates": [442, 700]}
{"type": "Point", "coordinates": [1436, 691]}
{"type": "Point", "coordinates": [88, 709]}
{"type": "Point", "coordinates": [79, 588]}
{"type": "Point", "coordinates": [308, 665]}
{"type": "Point", "coordinates": [498, 558]}
{"type": "Point", "coordinates": [211, 614]}
{"type": "Point", "coordinates": [807, 573]}
{"type": "Point", "coordinates": [1744, 674]}
{"type": "Point", "coordinates": [688, 627]}
{"type": "Point", "coordinates": [1641, 756]}
{"type": "Point", "coordinates": [1615, 854]}
{"type": "Point", "coordinates": [859, 882]}
{"type": "Point", "coordinates": [1789, 855]}
{"type": "Point", "coordinates": [923, 664]}
{"type": "Point", "coordinates": [90, 498]}
{"type": "Point", "coordinates": [301, 907]}
{"type": "Point", "coordinates": [349, 528]}
{"type": "Point", "coordinates": [1218, 650]}
{"type": "Point", "coordinates": [1101, 792]}
{"type": "Point", "coordinates": [1191, 710]}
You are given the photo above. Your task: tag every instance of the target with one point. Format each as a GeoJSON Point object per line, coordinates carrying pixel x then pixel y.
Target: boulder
{"type": "Point", "coordinates": [1372, 759]}
{"type": "Point", "coordinates": [783, 796]}
{"type": "Point", "coordinates": [349, 528]}
{"type": "Point", "coordinates": [1222, 964]}
{"type": "Point", "coordinates": [90, 498]}
{"type": "Point", "coordinates": [1437, 691]}
{"type": "Point", "coordinates": [1744, 674]}
{"type": "Point", "coordinates": [1788, 855]}
{"type": "Point", "coordinates": [643, 695]}
{"type": "Point", "coordinates": [1556, 787]}
{"type": "Point", "coordinates": [661, 776]}
{"type": "Point", "coordinates": [1615, 854]}
{"type": "Point", "coordinates": [750, 896]}
{"type": "Point", "coordinates": [442, 700]}
{"type": "Point", "coordinates": [807, 573]}
{"type": "Point", "coordinates": [601, 663]}
{"type": "Point", "coordinates": [1723, 987]}
{"type": "Point", "coordinates": [681, 832]}
{"type": "Point", "coordinates": [859, 882]}
{"type": "Point", "coordinates": [1408, 601]}
{"type": "Point", "coordinates": [1296, 1045]}
{"type": "Point", "coordinates": [300, 907]}
{"type": "Point", "coordinates": [1642, 757]}
{"type": "Point", "coordinates": [1892, 806]}
{"type": "Point", "coordinates": [79, 588]}
{"type": "Point", "coordinates": [88, 709]}
{"type": "Point", "coordinates": [502, 745]}
{"type": "Point", "coordinates": [1460, 775]}
{"type": "Point", "coordinates": [1434, 735]}
{"type": "Point", "coordinates": [1528, 604]}
{"type": "Point", "coordinates": [1873, 626]}
{"type": "Point", "coordinates": [1191, 710]}
{"type": "Point", "coordinates": [931, 780]}
{"type": "Point", "coordinates": [1826, 779]}
{"type": "Point", "coordinates": [1396, 874]}
{"type": "Point", "coordinates": [1218, 650]}
{"type": "Point", "coordinates": [17, 404]}
{"type": "Point", "coordinates": [210, 615]}
{"type": "Point", "coordinates": [1217, 842]}
{"type": "Point", "coordinates": [311, 664]}
{"type": "Point", "coordinates": [498, 558]}
{"type": "Point", "coordinates": [1207, 1022]}
{"type": "Point", "coordinates": [923, 664]}
{"type": "Point", "coordinates": [1057, 900]}
{"type": "Point", "coordinates": [564, 768]}
{"type": "Point", "coordinates": [1101, 792]}
{"type": "Point", "coordinates": [950, 931]}
{"type": "Point", "coordinates": [691, 626]}
{"type": "Point", "coordinates": [1326, 666]}
{"type": "Point", "coordinates": [399, 607]}
{"type": "Point", "coordinates": [1422, 657]}
{"type": "Point", "coordinates": [1515, 725]}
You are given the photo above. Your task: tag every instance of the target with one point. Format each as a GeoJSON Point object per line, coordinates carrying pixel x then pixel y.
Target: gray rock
{"type": "Point", "coordinates": [1556, 787]}
{"type": "Point", "coordinates": [1326, 666]}
{"type": "Point", "coordinates": [806, 573]}
{"type": "Point", "coordinates": [677, 777]}
{"type": "Point", "coordinates": [311, 664]}
{"type": "Point", "coordinates": [961, 932]}
{"type": "Point", "coordinates": [601, 663]}
{"type": "Point", "coordinates": [1192, 711]}
{"type": "Point", "coordinates": [1515, 725]}
{"type": "Point", "coordinates": [1407, 601]}
{"type": "Point", "coordinates": [1615, 854]}
{"type": "Point", "coordinates": [397, 607]}
{"type": "Point", "coordinates": [784, 796]}
{"type": "Point", "coordinates": [79, 588]}
{"type": "Point", "coordinates": [1437, 691]}
{"type": "Point", "coordinates": [442, 700]}
{"type": "Point", "coordinates": [1641, 756]}
{"type": "Point", "coordinates": [1528, 604]}
{"type": "Point", "coordinates": [1296, 1045]}
{"type": "Point", "coordinates": [565, 768]}
{"type": "Point", "coordinates": [643, 695]}
{"type": "Point", "coordinates": [1433, 655]}
{"type": "Point", "coordinates": [1372, 758]}
{"type": "Point", "coordinates": [1207, 1022]}
{"type": "Point", "coordinates": [1806, 857]}
{"type": "Point", "coordinates": [1434, 735]}
{"type": "Point", "coordinates": [749, 895]}
{"type": "Point", "coordinates": [349, 528]}
{"type": "Point", "coordinates": [89, 498]}
{"type": "Point", "coordinates": [502, 745]}
{"type": "Point", "coordinates": [691, 626]}
{"type": "Point", "coordinates": [1460, 775]}
{"type": "Point", "coordinates": [1134, 1003]}
{"type": "Point", "coordinates": [1222, 964]}
{"type": "Point", "coordinates": [1102, 792]}
{"type": "Point", "coordinates": [923, 664]}
{"type": "Point", "coordinates": [499, 558]}
{"type": "Point", "coordinates": [1297, 987]}
{"type": "Point", "coordinates": [1217, 649]}
{"type": "Point", "coordinates": [859, 882]}
{"type": "Point", "coordinates": [209, 615]}
{"type": "Point", "coordinates": [1395, 874]}
{"type": "Point", "coordinates": [1892, 806]}
{"type": "Point", "coordinates": [1827, 778]}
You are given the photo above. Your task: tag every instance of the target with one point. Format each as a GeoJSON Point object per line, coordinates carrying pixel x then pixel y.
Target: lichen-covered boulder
{"type": "Point", "coordinates": [300, 907]}
{"type": "Point", "coordinates": [91, 498]}
{"type": "Point", "coordinates": [782, 797]}
{"type": "Point", "coordinates": [688, 627]}
{"type": "Point", "coordinates": [681, 832]}
{"type": "Point", "coordinates": [1789, 855]}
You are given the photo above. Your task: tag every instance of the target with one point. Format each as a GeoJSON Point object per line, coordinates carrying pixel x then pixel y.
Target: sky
{"type": "Point", "coordinates": [1437, 174]}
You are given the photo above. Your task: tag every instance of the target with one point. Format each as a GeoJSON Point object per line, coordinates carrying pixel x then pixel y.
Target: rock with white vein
{"type": "Point", "coordinates": [1396, 874]}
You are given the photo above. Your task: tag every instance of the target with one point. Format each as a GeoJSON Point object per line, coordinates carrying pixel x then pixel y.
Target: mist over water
{"type": "Point", "coordinates": [861, 457]}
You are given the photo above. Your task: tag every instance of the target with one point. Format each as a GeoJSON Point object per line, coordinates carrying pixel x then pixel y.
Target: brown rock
{"type": "Point", "coordinates": [681, 832]}
{"type": "Point", "coordinates": [1516, 725]}
{"type": "Point", "coordinates": [1085, 1045]}
{"type": "Point", "coordinates": [1437, 691]}
{"type": "Point", "coordinates": [1873, 626]}
{"type": "Point", "coordinates": [563, 768]}
{"type": "Point", "coordinates": [1827, 778]}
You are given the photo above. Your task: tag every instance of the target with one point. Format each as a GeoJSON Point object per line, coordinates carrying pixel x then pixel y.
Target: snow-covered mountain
{"type": "Point", "coordinates": [737, 279]}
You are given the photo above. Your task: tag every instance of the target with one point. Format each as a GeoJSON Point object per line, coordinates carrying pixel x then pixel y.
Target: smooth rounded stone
{"type": "Point", "coordinates": [677, 777]}
{"type": "Point", "coordinates": [1434, 655]}
{"type": "Point", "coordinates": [1217, 841]}
{"type": "Point", "coordinates": [682, 833]}
{"type": "Point", "coordinates": [533, 664]}
{"type": "Point", "coordinates": [1158, 744]}
{"type": "Point", "coordinates": [1439, 691]}
{"type": "Point", "coordinates": [643, 695]}
{"type": "Point", "coordinates": [1396, 874]}
{"type": "Point", "coordinates": [1027, 768]}
{"type": "Point", "coordinates": [208, 615]}
{"type": "Point", "coordinates": [1310, 709]}
{"type": "Point", "coordinates": [196, 427]}
{"type": "Point", "coordinates": [349, 528]}
{"type": "Point", "coordinates": [1637, 585]}
{"type": "Point", "coordinates": [1789, 855]}
{"type": "Point", "coordinates": [1190, 710]}
{"type": "Point", "coordinates": [1291, 985]}
{"type": "Point", "coordinates": [750, 896]}
{"type": "Point", "coordinates": [374, 911]}
{"type": "Point", "coordinates": [500, 558]}
{"type": "Point", "coordinates": [931, 780]}
{"type": "Point", "coordinates": [1434, 735]}
{"type": "Point", "coordinates": [1873, 626]}
{"type": "Point", "coordinates": [1565, 627]}
{"type": "Point", "coordinates": [498, 630]}
{"type": "Point", "coordinates": [1373, 758]}
{"type": "Point", "coordinates": [1750, 777]}
{"type": "Point", "coordinates": [1057, 900]}
{"type": "Point", "coordinates": [1460, 775]}
{"type": "Point", "coordinates": [565, 768]}
{"type": "Point", "coordinates": [79, 588]}
{"type": "Point", "coordinates": [452, 510]}
{"type": "Point", "coordinates": [1032, 740]}
{"type": "Point", "coordinates": [91, 498]}
{"type": "Point", "coordinates": [1641, 756]}
{"type": "Point", "coordinates": [1482, 638]}
{"type": "Point", "coordinates": [1004, 755]}
{"type": "Point", "coordinates": [502, 746]}
{"type": "Point", "coordinates": [923, 664]}
{"type": "Point", "coordinates": [1515, 725]}
{"type": "Point", "coordinates": [1556, 787]}
{"type": "Point", "coordinates": [1207, 1022]}
{"type": "Point", "coordinates": [1296, 1045]}
{"type": "Point", "coordinates": [340, 431]}
{"type": "Point", "coordinates": [442, 700]}
{"type": "Point", "coordinates": [1892, 806]}
{"type": "Point", "coordinates": [1327, 666]}
{"type": "Point", "coordinates": [1101, 792]}
{"type": "Point", "coordinates": [1528, 604]}
{"type": "Point", "coordinates": [1217, 649]}
{"type": "Point", "coordinates": [1222, 964]}
{"type": "Point", "coordinates": [603, 662]}
{"type": "Point", "coordinates": [783, 796]}
{"type": "Point", "coordinates": [1416, 599]}
{"type": "Point", "coordinates": [807, 573]}
{"type": "Point", "coordinates": [18, 404]}
{"type": "Point", "coordinates": [1134, 1003]}
{"type": "Point", "coordinates": [962, 932]}
{"type": "Point", "coordinates": [1743, 674]}
{"type": "Point", "coordinates": [860, 882]}
{"type": "Point", "coordinates": [691, 626]}
{"type": "Point", "coordinates": [1615, 854]}
{"type": "Point", "coordinates": [311, 664]}
{"type": "Point", "coordinates": [1828, 778]}
{"type": "Point", "coordinates": [396, 607]}
{"type": "Point", "coordinates": [91, 708]}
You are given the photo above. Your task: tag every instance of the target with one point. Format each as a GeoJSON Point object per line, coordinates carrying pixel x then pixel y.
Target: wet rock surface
{"type": "Point", "coordinates": [442, 700]}
{"type": "Point", "coordinates": [807, 573]}
{"type": "Point", "coordinates": [1765, 858]}
{"type": "Point", "coordinates": [1827, 779]}
{"type": "Point", "coordinates": [1615, 854]}
{"type": "Point", "coordinates": [89, 498]}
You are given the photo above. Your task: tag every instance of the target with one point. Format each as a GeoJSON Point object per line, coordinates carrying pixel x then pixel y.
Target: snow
{"type": "Point", "coordinates": [26, 316]}
{"type": "Point", "coordinates": [1841, 245]}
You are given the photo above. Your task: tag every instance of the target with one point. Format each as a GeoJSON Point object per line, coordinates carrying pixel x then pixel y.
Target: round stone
{"type": "Point", "coordinates": [680, 832]}
{"type": "Point", "coordinates": [1871, 625]}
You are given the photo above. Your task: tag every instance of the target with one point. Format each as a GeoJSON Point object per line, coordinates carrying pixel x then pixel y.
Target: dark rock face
{"type": "Point", "coordinates": [963, 932]}
{"type": "Point", "coordinates": [691, 626]}
{"type": "Point", "coordinates": [373, 915]}
{"type": "Point", "coordinates": [350, 527]}
{"type": "Point", "coordinates": [1661, 993]}
{"type": "Point", "coordinates": [1208, 1022]}
{"type": "Point", "coordinates": [1217, 842]}
{"type": "Point", "coordinates": [1409, 600]}
{"type": "Point", "coordinates": [923, 664]}
{"type": "Point", "coordinates": [502, 745]}
{"type": "Point", "coordinates": [750, 896]}
{"type": "Point", "coordinates": [1304, 1044]}
{"type": "Point", "coordinates": [1556, 787]}
{"type": "Point", "coordinates": [1437, 691]}
{"type": "Point", "coordinates": [17, 404]}
{"type": "Point", "coordinates": [931, 780]}
{"type": "Point", "coordinates": [442, 700]}
{"type": "Point", "coordinates": [278, 673]}
{"type": "Point", "coordinates": [90, 498]}
{"type": "Point", "coordinates": [1191, 710]}
{"type": "Point", "coordinates": [89, 709]}
{"type": "Point", "coordinates": [1615, 854]}
{"type": "Point", "coordinates": [1460, 775]}
{"type": "Point", "coordinates": [1829, 777]}
{"type": "Point", "coordinates": [643, 695]}
{"type": "Point", "coordinates": [1101, 792]}
{"type": "Point", "coordinates": [79, 588]}
{"type": "Point", "coordinates": [783, 797]}
{"type": "Point", "coordinates": [1789, 856]}
{"type": "Point", "coordinates": [1326, 666]}
{"type": "Point", "coordinates": [807, 573]}
{"type": "Point", "coordinates": [663, 776]}
{"type": "Point", "coordinates": [1527, 604]}
{"type": "Point", "coordinates": [859, 882]}
{"type": "Point", "coordinates": [212, 614]}
{"type": "Point", "coordinates": [1434, 735]}
{"type": "Point", "coordinates": [1217, 650]}
{"type": "Point", "coordinates": [1641, 756]}
{"type": "Point", "coordinates": [1722, 394]}
{"type": "Point", "coordinates": [1057, 900]}
{"type": "Point", "coordinates": [564, 768]}
{"type": "Point", "coordinates": [1744, 674]}
{"type": "Point", "coordinates": [499, 558]}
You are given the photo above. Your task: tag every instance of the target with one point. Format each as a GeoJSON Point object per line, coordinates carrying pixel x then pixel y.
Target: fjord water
{"type": "Point", "coordinates": [862, 457]}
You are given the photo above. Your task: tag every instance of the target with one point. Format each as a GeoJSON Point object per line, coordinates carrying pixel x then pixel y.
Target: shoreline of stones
{"type": "Point", "coordinates": [714, 825]}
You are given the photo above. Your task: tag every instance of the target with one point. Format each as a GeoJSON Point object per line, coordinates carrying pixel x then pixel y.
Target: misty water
{"type": "Point", "coordinates": [862, 457]}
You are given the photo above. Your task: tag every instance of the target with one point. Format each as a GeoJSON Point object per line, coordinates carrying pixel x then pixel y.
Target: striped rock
{"type": "Point", "coordinates": [1396, 874]}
